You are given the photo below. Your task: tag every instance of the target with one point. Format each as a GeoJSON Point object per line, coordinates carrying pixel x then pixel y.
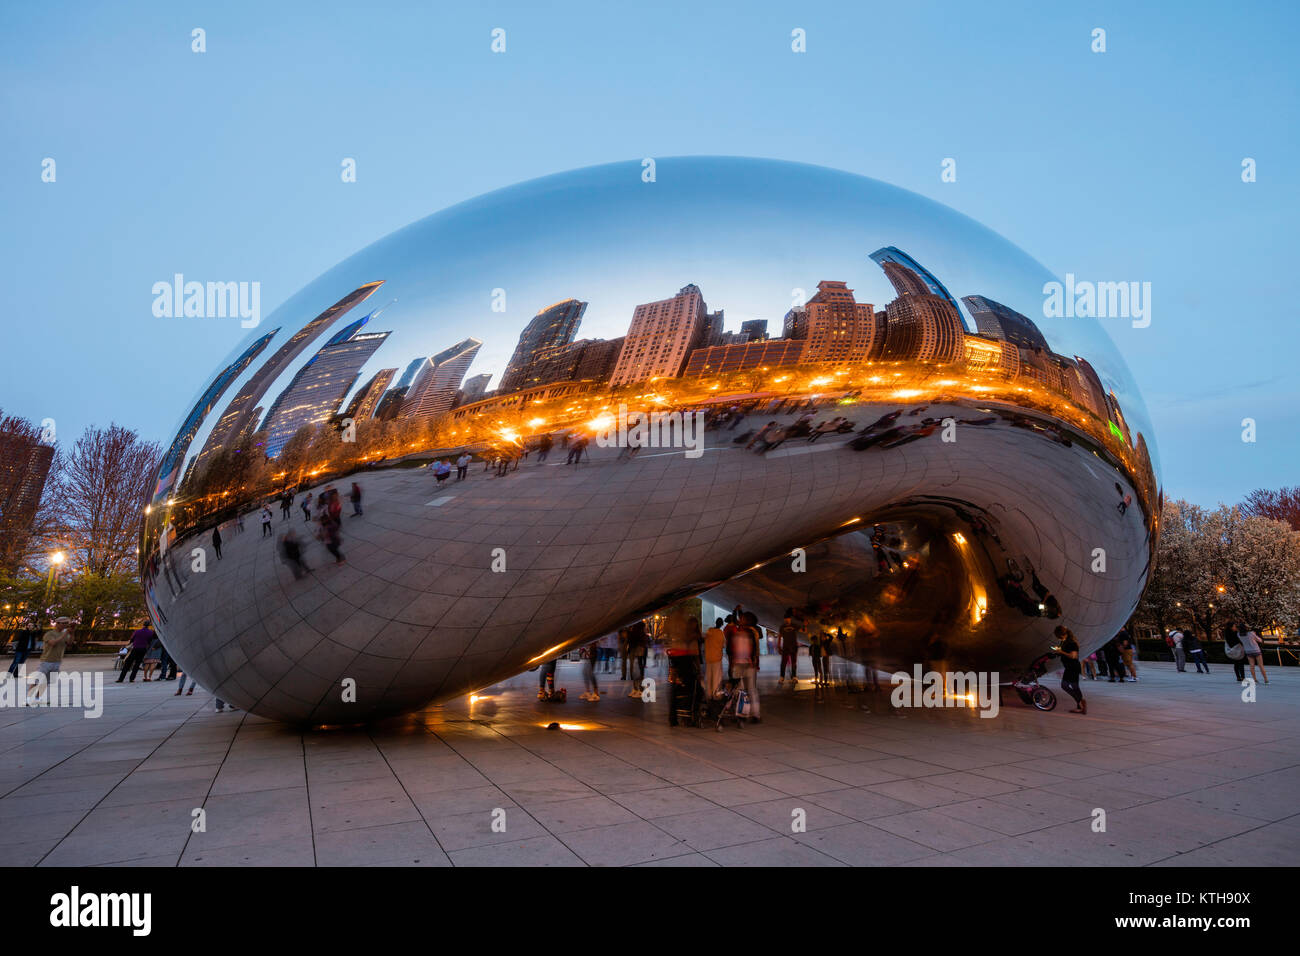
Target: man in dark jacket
{"type": "Point", "coordinates": [24, 641]}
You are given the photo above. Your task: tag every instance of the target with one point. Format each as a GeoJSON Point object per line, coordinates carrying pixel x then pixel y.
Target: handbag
{"type": "Point", "coordinates": [1235, 652]}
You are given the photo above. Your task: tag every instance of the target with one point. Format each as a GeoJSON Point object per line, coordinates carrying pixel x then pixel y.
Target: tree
{"type": "Point", "coordinates": [1280, 505]}
{"type": "Point", "coordinates": [1254, 563]}
{"type": "Point", "coordinates": [1217, 566]}
{"type": "Point", "coordinates": [27, 519]}
{"type": "Point", "coordinates": [106, 480]}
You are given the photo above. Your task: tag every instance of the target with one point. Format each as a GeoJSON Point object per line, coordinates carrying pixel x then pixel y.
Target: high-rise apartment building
{"type": "Point", "coordinates": [661, 337]}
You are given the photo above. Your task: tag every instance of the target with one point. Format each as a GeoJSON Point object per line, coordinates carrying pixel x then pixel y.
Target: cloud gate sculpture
{"type": "Point", "coordinates": [571, 403]}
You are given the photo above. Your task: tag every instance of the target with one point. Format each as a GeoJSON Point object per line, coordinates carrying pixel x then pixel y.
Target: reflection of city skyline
{"type": "Point", "coordinates": [676, 338]}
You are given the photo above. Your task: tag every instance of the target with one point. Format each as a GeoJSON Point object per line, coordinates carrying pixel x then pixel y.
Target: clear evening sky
{"type": "Point", "coordinates": [1123, 165]}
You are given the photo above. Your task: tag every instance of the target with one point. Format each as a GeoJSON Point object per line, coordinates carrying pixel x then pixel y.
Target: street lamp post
{"type": "Point", "coordinates": [56, 559]}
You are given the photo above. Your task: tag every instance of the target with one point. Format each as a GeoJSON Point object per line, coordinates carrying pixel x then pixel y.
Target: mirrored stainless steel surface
{"type": "Point", "coordinates": [892, 437]}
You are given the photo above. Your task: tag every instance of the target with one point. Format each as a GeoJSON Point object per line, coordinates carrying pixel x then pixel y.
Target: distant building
{"type": "Point", "coordinates": [319, 387]}
{"type": "Point", "coordinates": [391, 404]}
{"type": "Point", "coordinates": [435, 386]}
{"type": "Point", "coordinates": [755, 329]}
{"type": "Point", "coordinates": [553, 327]}
{"type": "Point", "coordinates": [840, 329]}
{"type": "Point", "coordinates": [712, 334]}
{"type": "Point", "coordinates": [983, 354]}
{"type": "Point", "coordinates": [795, 325]}
{"type": "Point", "coordinates": [473, 389]}
{"type": "Point", "coordinates": [661, 337]}
{"type": "Point", "coordinates": [766, 353]}
{"type": "Point", "coordinates": [366, 400]}
{"type": "Point", "coordinates": [997, 321]}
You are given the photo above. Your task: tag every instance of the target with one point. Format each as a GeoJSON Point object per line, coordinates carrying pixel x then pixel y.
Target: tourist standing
{"type": "Point", "coordinates": [789, 648]}
{"type": "Point", "coordinates": [1254, 653]}
{"type": "Point", "coordinates": [462, 466]}
{"type": "Point", "coordinates": [637, 640]}
{"type": "Point", "coordinates": [216, 540]}
{"type": "Point", "coordinates": [266, 521]}
{"type": "Point", "coordinates": [355, 497]}
{"type": "Point", "coordinates": [743, 653]}
{"type": "Point", "coordinates": [1126, 652]}
{"type": "Point", "coordinates": [684, 640]}
{"type": "Point", "coordinates": [1235, 651]}
{"type": "Point", "coordinates": [1194, 652]}
{"type": "Point", "coordinates": [1180, 652]}
{"type": "Point", "coordinates": [714, 640]}
{"type": "Point", "coordinates": [589, 656]}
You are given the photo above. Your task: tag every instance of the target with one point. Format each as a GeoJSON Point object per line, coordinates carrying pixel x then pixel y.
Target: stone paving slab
{"type": "Point", "coordinates": [1186, 772]}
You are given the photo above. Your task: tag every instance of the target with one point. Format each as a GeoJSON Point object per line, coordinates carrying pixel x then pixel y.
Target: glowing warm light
{"type": "Point", "coordinates": [56, 557]}
{"type": "Point", "coordinates": [959, 537]}
{"type": "Point", "coordinates": [569, 726]}
{"type": "Point", "coordinates": [907, 393]}
{"type": "Point", "coordinates": [601, 423]}
{"type": "Point", "coordinates": [549, 652]}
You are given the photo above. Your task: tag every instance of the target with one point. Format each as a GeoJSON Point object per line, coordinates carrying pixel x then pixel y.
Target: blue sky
{"type": "Point", "coordinates": [1123, 165]}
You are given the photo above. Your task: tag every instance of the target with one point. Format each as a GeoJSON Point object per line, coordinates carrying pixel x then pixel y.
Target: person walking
{"type": "Point", "coordinates": [743, 654]}
{"type": "Point", "coordinates": [714, 641]}
{"type": "Point", "coordinates": [55, 643]}
{"type": "Point", "coordinates": [216, 540]}
{"type": "Point", "coordinates": [286, 504]}
{"type": "Point", "coordinates": [24, 641]}
{"type": "Point", "coordinates": [1254, 652]}
{"type": "Point", "coordinates": [1180, 652]}
{"type": "Point", "coordinates": [1194, 651]}
{"type": "Point", "coordinates": [266, 521]}
{"type": "Point", "coordinates": [355, 497]}
{"type": "Point", "coordinates": [1235, 651]}
{"type": "Point", "coordinates": [141, 640]}
{"type": "Point", "coordinates": [291, 551]}
{"type": "Point", "coordinates": [789, 648]}
{"type": "Point", "coordinates": [544, 447]}
{"type": "Point", "coordinates": [462, 466]}
{"type": "Point", "coordinates": [306, 507]}
{"type": "Point", "coordinates": [1067, 648]}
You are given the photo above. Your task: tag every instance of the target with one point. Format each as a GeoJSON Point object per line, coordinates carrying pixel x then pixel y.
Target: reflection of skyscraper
{"type": "Point", "coordinates": [712, 333]}
{"type": "Point", "coordinates": [237, 414]}
{"type": "Point", "coordinates": [392, 401]}
{"type": "Point", "coordinates": [923, 324]}
{"type": "Point", "coordinates": [435, 385]}
{"type": "Point", "coordinates": [796, 324]}
{"type": "Point", "coordinates": [171, 461]}
{"type": "Point", "coordinates": [1097, 392]}
{"type": "Point", "coordinates": [320, 386]}
{"type": "Point", "coordinates": [661, 336]}
{"type": "Point", "coordinates": [550, 328]}
{"type": "Point", "coordinates": [839, 328]}
{"type": "Point", "coordinates": [583, 360]}
{"type": "Point", "coordinates": [997, 321]}
{"type": "Point", "coordinates": [367, 398]}
{"type": "Point", "coordinates": [755, 329]}
{"type": "Point", "coordinates": [912, 278]}
{"type": "Point", "coordinates": [473, 389]}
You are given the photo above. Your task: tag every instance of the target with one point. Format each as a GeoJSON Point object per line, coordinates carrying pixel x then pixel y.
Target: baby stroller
{"type": "Point", "coordinates": [724, 706]}
{"type": "Point", "coordinates": [1032, 692]}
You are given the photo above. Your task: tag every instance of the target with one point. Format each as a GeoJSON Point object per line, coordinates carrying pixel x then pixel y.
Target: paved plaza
{"type": "Point", "coordinates": [1185, 771]}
